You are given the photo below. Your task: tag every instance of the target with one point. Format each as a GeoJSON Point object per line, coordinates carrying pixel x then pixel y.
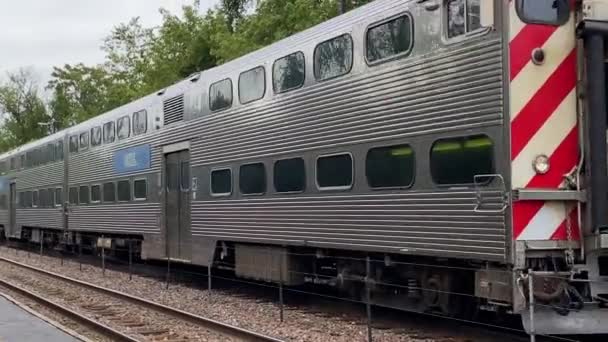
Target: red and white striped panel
{"type": "Point", "coordinates": [543, 121]}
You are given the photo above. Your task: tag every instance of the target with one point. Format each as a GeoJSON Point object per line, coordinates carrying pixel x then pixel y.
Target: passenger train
{"type": "Point", "coordinates": [461, 143]}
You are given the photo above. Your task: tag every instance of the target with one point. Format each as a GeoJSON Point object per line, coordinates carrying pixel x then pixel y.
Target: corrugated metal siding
{"type": "Point", "coordinates": [40, 217]}
{"type": "Point", "coordinates": [97, 164]}
{"type": "Point", "coordinates": [43, 176]}
{"type": "Point", "coordinates": [453, 90]}
{"type": "Point", "coordinates": [412, 222]}
{"type": "Point", "coordinates": [130, 218]}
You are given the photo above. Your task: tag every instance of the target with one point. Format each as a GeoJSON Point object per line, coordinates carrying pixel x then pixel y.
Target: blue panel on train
{"type": "Point", "coordinates": [132, 159]}
{"type": "Point", "coordinates": [3, 184]}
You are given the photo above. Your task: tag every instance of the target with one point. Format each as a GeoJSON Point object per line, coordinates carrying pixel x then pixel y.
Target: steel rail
{"type": "Point", "coordinates": [211, 324]}
{"type": "Point", "coordinates": [90, 323]}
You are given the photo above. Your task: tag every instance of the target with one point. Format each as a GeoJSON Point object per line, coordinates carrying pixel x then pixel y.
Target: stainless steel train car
{"type": "Point", "coordinates": [446, 138]}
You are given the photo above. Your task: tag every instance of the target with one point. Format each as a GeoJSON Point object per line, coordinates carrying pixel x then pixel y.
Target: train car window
{"type": "Point", "coordinates": [550, 12]}
{"type": "Point", "coordinates": [59, 150]}
{"type": "Point", "coordinates": [463, 16]}
{"type": "Point", "coordinates": [391, 166]}
{"type": "Point", "coordinates": [123, 127]}
{"type": "Point", "coordinates": [73, 195]}
{"type": "Point", "coordinates": [21, 200]}
{"type": "Point", "coordinates": [50, 197]}
{"type": "Point", "coordinates": [140, 122]}
{"type": "Point", "coordinates": [13, 163]}
{"type": "Point", "coordinates": [220, 95]}
{"type": "Point", "coordinates": [50, 153]}
{"type": "Point", "coordinates": [2, 201]}
{"type": "Point", "coordinates": [140, 189]}
{"type": "Point", "coordinates": [109, 192]}
{"type": "Point", "coordinates": [2, 167]}
{"type": "Point", "coordinates": [335, 171]}
{"type": "Point", "coordinates": [83, 196]}
{"type": "Point", "coordinates": [334, 57]}
{"type": "Point", "coordinates": [73, 144]}
{"type": "Point", "coordinates": [59, 196]}
{"type": "Point", "coordinates": [252, 85]}
{"type": "Point", "coordinates": [252, 179]}
{"type": "Point", "coordinates": [95, 193]}
{"type": "Point", "coordinates": [389, 39]}
{"type": "Point", "coordinates": [289, 175]}
{"type": "Point", "coordinates": [28, 199]}
{"type": "Point", "coordinates": [221, 182]}
{"type": "Point", "coordinates": [96, 136]}
{"type": "Point", "coordinates": [124, 191]}
{"type": "Point", "coordinates": [35, 199]}
{"type": "Point", "coordinates": [22, 163]}
{"type": "Point", "coordinates": [109, 132]}
{"type": "Point", "coordinates": [42, 193]}
{"type": "Point", "coordinates": [84, 141]}
{"type": "Point", "coordinates": [288, 72]}
{"type": "Point", "coordinates": [458, 160]}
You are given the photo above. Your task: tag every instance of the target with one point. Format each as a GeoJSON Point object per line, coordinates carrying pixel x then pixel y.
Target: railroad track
{"type": "Point", "coordinates": [120, 316]}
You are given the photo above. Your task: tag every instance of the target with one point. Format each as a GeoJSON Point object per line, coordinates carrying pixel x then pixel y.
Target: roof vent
{"type": "Point", "coordinates": [173, 109]}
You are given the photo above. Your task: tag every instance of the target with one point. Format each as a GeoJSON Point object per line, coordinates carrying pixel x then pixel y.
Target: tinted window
{"type": "Point", "coordinates": [35, 199]}
{"type": "Point", "coordinates": [73, 144]}
{"type": "Point", "coordinates": [172, 176]}
{"type": "Point", "coordinates": [95, 193]}
{"type": "Point", "coordinates": [109, 192]}
{"type": "Point", "coordinates": [334, 57]}
{"type": "Point", "coordinates": [221, 182]}
{"type": "Point", "coordinates": [59, 196]}
{"type": "Point", "coordinates": [59, 150]}
{"type": "Point", "coordinates": [96, 136]}
{"type": "Point", "coordinates": [140, 189]}
{"type": "Point", "coordinates": [252, 178]}
{"type": "Point", "coordinates": [389, 39]}
{"type": "Point", "coordinates": [289, 175]}
{"type": "Point", "coordinates": [220, 95]}
{"type": "Point", "coordinates": [252, 85]}
{"type": "Point", "coordinates": [73, 195]}
{"type": "Point", "coordinates": [43, 194]}
{"type": "Point", "coordinates": [84, 141]}
{"type": "Point", "coordinates": [288, 72]}
{"type": "Point", "coordinates": [13, 163]}
{"type": "Point", "coordinates": [140, 122]}
{"type": "Point", "coordinates": [84, 195]}
{"type": "Point", "coordinates": [109, 133]}
{"type": "Point", "coordinates": [463, 17]}
{"type": "Point", "coordinates": [123, 127]}
{"type": "Point", "coordinates": [552, 12]}
{"type": "Point", "coordinates": [124, 191]}
{"type": "Point", "coordinates": [335, 171]}
{"type": "Point", "coordinates": [50, 152]}
{"type": "Point", "coordinates": [390, 166]}
{"type": "Point", "coordinates": [50, 197]}
{"type": "Point", "coordinates": [28, 199]}
{"type": "Point", "coordinates": [458, 160]}
{"type": "Point", "coordinates": [22, 163]}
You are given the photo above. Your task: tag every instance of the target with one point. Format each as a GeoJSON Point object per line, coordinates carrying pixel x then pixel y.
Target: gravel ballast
{"type": "Point", "coordinates": [248, 313]}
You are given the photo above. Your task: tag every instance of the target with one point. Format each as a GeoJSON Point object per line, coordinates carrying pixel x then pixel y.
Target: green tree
{"type": "Point", "coordinates": [22, 110]}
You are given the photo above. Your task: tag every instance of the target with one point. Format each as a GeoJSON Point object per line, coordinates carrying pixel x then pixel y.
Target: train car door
{"type": "Point", "coordinates": [12, 208]}
{"type": "Point", "coordinates": [177, 205]}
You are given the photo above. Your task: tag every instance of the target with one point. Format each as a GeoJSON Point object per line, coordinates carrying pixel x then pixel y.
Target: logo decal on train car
{"type": "Point", "coordinates": [543, 122]}
{"type": "Point", "coordinates": [132, 159]}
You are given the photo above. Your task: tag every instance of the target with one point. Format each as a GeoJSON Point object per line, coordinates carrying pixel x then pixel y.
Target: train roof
{"type": "Point", "coordinates": [264, 56]}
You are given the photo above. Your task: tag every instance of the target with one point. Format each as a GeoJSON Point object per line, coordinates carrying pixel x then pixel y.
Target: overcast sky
{"type": "Point", "coordinates": [40, 34]}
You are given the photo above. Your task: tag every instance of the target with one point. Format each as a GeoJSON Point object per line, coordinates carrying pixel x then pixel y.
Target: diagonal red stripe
{"type": "Point", "coordinates": [521, 46]}
{"type": "Point", "coordinates": [563, 159]}
{"type": "Point", "coordinates": [543, 104]}
{"type": "Point", "coordinates": [561, 234]}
